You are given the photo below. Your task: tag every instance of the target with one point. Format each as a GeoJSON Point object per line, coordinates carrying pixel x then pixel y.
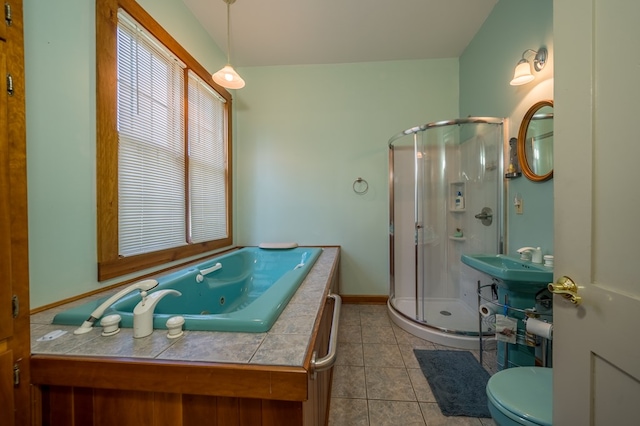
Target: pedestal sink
{"type": "Point", "coordinates": [521, 287]}
{"type": "Point", "coordinates": [513, 273]}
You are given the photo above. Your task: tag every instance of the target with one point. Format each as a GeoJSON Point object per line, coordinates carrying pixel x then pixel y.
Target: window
{"type": "Point", "coordinates": [163, 147]}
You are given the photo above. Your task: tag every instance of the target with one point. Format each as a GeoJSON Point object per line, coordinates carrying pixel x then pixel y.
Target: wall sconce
{"type": "Point", "coordinates": [522, 74]}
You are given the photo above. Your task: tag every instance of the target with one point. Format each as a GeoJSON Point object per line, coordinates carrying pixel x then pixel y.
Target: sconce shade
{"type": "Point", "coordinates": [228, 78]}
{"type": "Point", "coordinates": [522, 74]}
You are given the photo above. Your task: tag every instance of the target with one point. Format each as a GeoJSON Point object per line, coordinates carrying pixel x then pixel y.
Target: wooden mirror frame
{"type": "Point", "coordinates": [522, 136]}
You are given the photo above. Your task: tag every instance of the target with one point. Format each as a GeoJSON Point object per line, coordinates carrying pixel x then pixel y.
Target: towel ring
{"type": "Point", "coordinates": [360, 186]}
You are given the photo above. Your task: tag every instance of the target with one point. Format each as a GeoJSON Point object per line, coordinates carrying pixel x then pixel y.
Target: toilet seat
{"type": "Point", "coordinates": [523, 395]}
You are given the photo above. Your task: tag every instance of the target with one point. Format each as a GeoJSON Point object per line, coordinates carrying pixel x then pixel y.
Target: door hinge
{"type": "Point", "coordinates": [16, 374]}
{"type": "Point", "coordinates": [15, 306]}
{"type": "Point", "coordinates": [10, 84]}
{"type": "Point", "coordinates": [7, 14]}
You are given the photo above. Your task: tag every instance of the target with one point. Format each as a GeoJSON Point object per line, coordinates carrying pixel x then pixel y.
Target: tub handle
{"type": "Point", "coordinates": [327, 361]}
{"type": "Point", "coordinates": [203, 272]}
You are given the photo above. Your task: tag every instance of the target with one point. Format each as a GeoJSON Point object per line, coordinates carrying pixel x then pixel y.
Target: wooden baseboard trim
{"type": "Point", "coordinates": [359, 299]}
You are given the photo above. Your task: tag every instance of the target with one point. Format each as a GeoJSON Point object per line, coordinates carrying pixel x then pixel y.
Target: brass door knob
{"type": "Point", "coordinates": [567, 288]}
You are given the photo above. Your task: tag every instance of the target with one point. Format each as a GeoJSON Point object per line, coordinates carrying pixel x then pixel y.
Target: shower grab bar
{"type": "Point", "coordinates": [327, 361]}
{"type": "Point", "coordinates": [203, 272]}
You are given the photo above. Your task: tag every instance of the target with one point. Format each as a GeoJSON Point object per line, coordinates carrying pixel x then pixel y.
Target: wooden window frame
{"type": "Point", "coordinates": [110, 263]}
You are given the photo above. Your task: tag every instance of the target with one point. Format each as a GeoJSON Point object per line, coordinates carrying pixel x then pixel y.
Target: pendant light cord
{"type": "Point", "coordinates": [228, 31]}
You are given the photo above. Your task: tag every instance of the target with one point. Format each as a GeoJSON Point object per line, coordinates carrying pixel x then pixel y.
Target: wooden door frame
{"type": "Point", "coordinates": [19, 343]}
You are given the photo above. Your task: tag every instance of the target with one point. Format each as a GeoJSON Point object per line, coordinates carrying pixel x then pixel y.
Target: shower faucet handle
{"type": "Point", "coordinates": [486, 216]}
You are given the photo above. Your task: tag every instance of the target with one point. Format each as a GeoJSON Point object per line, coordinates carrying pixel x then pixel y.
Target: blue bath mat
{"type": "Point", "coordinates": [457, 381]}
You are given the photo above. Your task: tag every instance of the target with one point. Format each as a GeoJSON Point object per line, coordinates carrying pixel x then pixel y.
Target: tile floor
{"type": "Point", "coordinates": [377, 380]}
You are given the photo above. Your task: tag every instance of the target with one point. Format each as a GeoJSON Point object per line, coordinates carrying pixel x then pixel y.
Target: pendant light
{"type": "Point", "coordinates": [227, 77]}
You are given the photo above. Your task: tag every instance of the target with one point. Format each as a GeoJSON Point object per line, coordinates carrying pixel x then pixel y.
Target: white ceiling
{"type": "Point", "coordinates": [296, 32]}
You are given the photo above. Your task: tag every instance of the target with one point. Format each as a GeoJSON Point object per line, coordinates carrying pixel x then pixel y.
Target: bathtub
{"type": "Point", "coordinates": [246, 294]}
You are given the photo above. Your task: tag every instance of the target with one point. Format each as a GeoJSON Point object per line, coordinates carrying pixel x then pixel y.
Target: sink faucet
{"type": "Point", "coordinates": [143, 312]}
{"type": "Point", "coordinates": [143, 286]}
{"type": "Point", "coordinates": [536, 253]}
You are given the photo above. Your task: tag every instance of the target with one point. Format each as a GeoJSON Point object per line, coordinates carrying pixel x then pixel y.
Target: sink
{"type": "Point", "coordinates": [511, 272]}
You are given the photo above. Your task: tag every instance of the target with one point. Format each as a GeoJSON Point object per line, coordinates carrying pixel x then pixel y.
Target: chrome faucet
{"type": "Point", "coordinates": [143, 312]}
{"type": "Point", "coordinates": [143, 286]}
{"type": "Point", "coordinates": [536, 254]}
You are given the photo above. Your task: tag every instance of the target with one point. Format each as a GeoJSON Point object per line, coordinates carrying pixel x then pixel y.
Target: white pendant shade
{"type": "Point", "coordinates": [522, 74]}
{"type": "Point", "coordinates": [228, 78]}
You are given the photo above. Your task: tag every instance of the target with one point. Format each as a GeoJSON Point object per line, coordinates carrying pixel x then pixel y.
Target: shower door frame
{"type": "Point", "coordinates": [500, 213]}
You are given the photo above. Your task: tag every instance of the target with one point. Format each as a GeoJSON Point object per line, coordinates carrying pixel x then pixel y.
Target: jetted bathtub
{"type": "Point", "coordinates": [246, 293]}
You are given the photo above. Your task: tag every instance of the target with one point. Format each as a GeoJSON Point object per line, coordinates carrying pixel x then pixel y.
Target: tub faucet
{"type": "Point", "coordinates": [143, 286]}
{"type": "Point", "coordinates": [536, 253]}
{"type": "Point", "coordinates": [143, 312]}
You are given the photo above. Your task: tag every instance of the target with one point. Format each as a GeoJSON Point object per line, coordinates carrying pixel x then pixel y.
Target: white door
{"type": "Point", "coordinates": [596, 359]}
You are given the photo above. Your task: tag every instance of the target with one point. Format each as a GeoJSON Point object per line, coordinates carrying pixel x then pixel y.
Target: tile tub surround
{"type": "Point", "coordinates": [286, 344]}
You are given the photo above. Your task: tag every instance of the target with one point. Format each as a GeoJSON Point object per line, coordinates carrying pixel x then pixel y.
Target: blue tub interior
{"type": "Point", "coordinates": [247, 294]}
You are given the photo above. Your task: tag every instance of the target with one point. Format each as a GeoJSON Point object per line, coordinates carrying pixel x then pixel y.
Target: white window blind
{"type": "Point", "coordinates": [151, 143]}
{"type": "Point", "coordinates": [207, 163]}
{"type": "Point", "coordinates": [155, 210]}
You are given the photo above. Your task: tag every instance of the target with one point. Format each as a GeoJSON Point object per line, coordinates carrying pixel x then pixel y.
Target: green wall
{"type": "Point", "coordinates": [304, 134]}
{"type": "Point", "coordinates": [486, 67]}
{"type": "Point", "coordinates": [61, 135]}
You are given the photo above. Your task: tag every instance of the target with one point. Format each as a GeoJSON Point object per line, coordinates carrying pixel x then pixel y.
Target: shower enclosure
{"type": "Point", "coordinates": [446, 199]}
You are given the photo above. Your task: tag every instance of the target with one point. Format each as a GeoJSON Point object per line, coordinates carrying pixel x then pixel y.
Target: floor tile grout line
{"type": "Point", "coordinates": [395, 331]}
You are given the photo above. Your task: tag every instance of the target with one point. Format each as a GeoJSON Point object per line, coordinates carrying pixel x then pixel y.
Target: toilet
{"type": "Point", "coordinates": [521, 396]}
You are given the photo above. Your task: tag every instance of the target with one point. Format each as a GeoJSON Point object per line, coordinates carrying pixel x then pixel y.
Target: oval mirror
{"type": "Point", "coordinates": [535, 142]}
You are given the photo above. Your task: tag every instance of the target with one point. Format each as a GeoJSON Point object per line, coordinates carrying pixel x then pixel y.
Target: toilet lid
{"type": "Point", "coordinates": [523, 392]}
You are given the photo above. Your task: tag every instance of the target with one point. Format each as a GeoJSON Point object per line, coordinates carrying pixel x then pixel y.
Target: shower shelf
{"type": "Point", "coordinates": [454, 188]}
{"type": "Point", "coordinates": [457, 238]}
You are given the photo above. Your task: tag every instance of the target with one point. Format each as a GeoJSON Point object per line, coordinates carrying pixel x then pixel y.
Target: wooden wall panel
{"type": "Point", "coordinates": [57, 406]}
{"type": "Point", "coordinates": [200, 410]}
{"type": "Point", "coordinates": [227, 411]}
{"type": "Point", "coordinates": [167, 409]}
{"type": "Point", "coordinates": [250, 412]}
{"type": "Point", "coordinates": [281, 413]}
{"type": "Point", "coordinates": [232, 380]}
{"type": "Point", "coordinates": [122, 408]}
{"type": "Point", "coordinates": [83, 406]}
